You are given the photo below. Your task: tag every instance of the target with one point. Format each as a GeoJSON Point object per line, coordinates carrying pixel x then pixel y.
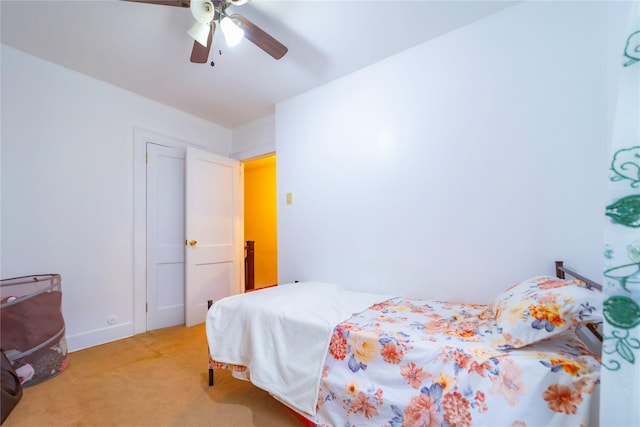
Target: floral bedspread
{"type": "Point", "coordinates": [429, 363]}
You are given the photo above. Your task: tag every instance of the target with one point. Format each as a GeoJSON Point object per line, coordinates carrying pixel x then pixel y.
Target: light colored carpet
{"type": "Point", "coordinates": [154, 379]}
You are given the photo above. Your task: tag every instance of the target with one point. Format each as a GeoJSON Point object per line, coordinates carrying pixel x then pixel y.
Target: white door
{"type": "Point", "coordinates": [213, 231]}
{"type": "Point", "coordinates": [165, 236]}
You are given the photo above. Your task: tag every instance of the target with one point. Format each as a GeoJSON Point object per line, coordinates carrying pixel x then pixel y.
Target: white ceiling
{"type": "Point", "coordinates": [144, 48]}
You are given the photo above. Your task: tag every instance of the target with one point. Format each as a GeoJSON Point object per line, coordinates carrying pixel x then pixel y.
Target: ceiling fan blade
{"type": "Point", "coordinates": [199, 53]}
{"type": "Point", "coordinates": [261, 38]}
{"type": "Point", "coordinates": [178, 3]}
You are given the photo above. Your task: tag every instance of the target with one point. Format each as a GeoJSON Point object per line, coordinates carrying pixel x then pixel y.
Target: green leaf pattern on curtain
{"type": "Point", "coordinates": [622, 313]}
{"type": "Point", "coordinates": [632, 50]}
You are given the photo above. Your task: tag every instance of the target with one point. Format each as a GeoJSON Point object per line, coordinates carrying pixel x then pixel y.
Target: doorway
{"type": "Point", "coordinates": [173, 156]}
{"type": "Point", "coordinates": [260, 225]}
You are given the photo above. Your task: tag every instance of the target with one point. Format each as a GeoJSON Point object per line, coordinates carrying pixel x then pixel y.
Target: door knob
{"type": "Point", "coordinates": [193, 242]}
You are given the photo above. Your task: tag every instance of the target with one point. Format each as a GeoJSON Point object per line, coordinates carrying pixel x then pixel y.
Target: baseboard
{"type": "Point", "coordinates": [99, 336]}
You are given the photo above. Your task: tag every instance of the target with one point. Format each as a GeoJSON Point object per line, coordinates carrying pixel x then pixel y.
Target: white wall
{"type": "Point", "coordinates": [68, 186]}
{"type": "Point", "coordinates": [254, 139]}
{"type": "Point", "coordinates": [455, 168]}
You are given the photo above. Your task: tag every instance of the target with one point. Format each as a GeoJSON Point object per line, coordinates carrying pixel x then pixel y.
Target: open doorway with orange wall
{"type": "Point", "coordinates": [260, 218]}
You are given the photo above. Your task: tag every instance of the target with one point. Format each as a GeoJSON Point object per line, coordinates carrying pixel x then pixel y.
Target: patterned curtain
{"type": "Point", "coordinates": [620, 388]}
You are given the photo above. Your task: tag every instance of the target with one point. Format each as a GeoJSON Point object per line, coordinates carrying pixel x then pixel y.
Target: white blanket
{"type": "Point", "coordinates": [282, 333]}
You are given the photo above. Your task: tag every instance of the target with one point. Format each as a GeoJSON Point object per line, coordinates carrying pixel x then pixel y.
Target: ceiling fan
{"type": "Point", "coordinates": [234, 27]}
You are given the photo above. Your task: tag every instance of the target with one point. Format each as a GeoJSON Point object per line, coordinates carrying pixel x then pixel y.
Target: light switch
{"type": "Point", "coordinates": [289, 198]}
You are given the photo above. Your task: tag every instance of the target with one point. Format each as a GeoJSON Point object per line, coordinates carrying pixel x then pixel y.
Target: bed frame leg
{"type": "Point", "coordinates": [209, 304]}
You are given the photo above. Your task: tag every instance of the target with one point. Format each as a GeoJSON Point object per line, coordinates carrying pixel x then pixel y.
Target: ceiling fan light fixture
{"type": "Point", "coordinates": [200, 33]}
{"type": "Point", "coordinates": [202, 10]}
{"type": "Point", "coordinates": [231, 30]}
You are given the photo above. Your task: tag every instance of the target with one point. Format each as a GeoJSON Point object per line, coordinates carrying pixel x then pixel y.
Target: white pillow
{"type": "Point", "coordinates": [542, 307]}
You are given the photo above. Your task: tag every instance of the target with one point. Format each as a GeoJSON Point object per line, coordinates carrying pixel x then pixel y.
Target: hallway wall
{"type": "Point", "coordinates": [260, 217]}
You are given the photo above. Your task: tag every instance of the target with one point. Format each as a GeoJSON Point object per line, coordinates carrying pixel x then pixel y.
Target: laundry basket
{"type": "Point", "coordinates": [32, 327]}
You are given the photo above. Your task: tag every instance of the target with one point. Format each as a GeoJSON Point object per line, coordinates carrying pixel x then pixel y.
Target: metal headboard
{"type": "Point", "coordinates": [561, 272]}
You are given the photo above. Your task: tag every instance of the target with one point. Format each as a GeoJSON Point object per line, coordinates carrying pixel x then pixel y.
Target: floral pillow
{"type": "Point", "coordinates": [542, 307]}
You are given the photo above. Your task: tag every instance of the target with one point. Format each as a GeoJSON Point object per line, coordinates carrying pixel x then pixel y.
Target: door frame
{"type": "Point", "coordinates": [140, 139]}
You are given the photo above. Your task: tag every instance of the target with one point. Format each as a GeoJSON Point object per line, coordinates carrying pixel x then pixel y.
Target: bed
{"type": "Point", "coordinates": [342, 358]}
